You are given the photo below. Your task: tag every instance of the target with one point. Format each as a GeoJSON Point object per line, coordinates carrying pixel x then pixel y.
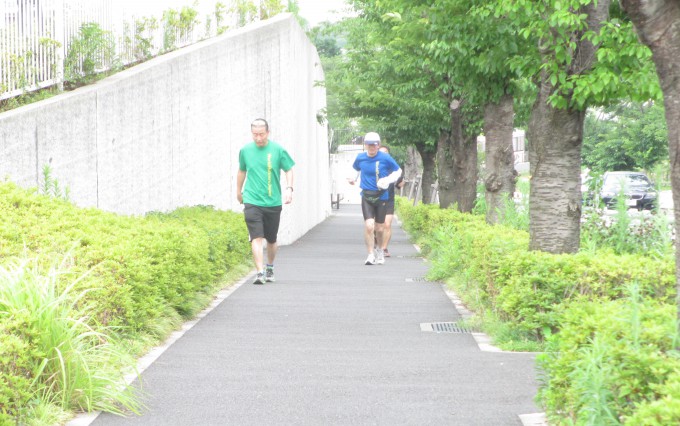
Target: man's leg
{"type": "Point", "coordinates": [271, 252]}
{"type": "Point", "coordinates": [380, 234]}
{"type": "Point", "coordinates": [379, 255]}
{"type": "Point", "coordinates": [369, 230]}
{"type": "Point", "coordinates": [387, 231]}
{"type": "Point", "coordinates": [257, 246]}
{"type": "Point", "coordinates": [271, 255]}
{"type": "Point", "coordinates": [380, 214]}
{"type": "Point", "coordinates": [254, 222]}
{"type": "Point", "coordinates": [369, 235]}
{"type": "Point", "coordinates": [368, 210]}
{"type": "Point", "coordinates": [272, 219]}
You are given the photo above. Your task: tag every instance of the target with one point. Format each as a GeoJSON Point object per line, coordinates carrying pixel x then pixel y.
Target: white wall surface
{"type": "Point", "coordinates": [167, 133]}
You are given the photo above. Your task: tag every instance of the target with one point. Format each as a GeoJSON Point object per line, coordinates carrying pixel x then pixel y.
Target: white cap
{"type": "Point", "coordinates": [372, 138]}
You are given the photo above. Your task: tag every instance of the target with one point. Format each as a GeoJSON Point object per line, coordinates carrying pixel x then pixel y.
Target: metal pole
{"type": "Point", "coordinates": [60, 37]}
{"type": "Point", "coordinates": [417, 190]}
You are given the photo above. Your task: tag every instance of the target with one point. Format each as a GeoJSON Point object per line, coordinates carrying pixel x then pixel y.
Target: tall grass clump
{"type": "Point", "coordinates": [51, 187]}
{"type": "Point", "coordinates": [514, 212]}
{"type": "Point", "coordinates": [54, 356]}
{"type": "Point", "coordinates": [649, 235]}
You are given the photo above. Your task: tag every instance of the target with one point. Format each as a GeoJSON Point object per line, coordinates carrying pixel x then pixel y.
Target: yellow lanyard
{"type": "Point", "coordinates": [269, 173]}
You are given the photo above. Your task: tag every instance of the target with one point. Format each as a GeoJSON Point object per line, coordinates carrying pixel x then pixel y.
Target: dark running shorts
{"type": "Point", "coordinates": [262, 221]}
{"type": "Point", "coordinates": [376, 210]}
{"type": "Point", "coordinates": [390, 207]}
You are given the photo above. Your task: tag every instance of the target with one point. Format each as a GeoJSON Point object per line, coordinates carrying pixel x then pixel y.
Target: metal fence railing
{"type": "Point", "coordinates": [46, 42]}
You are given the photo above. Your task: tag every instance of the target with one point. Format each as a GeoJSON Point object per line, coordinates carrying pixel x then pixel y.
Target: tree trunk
{"type": "Point", "coordinates": [429, 176]}
{"type": "Point", "coordinates": [555, 138]}
{"type": "Point", "coordinates": [414, 164]}
{"type": "Point", "coordinates": [457, 164]}
{"type": "Point", "coordinates": [658, 25]}
{"type": "Point", "coordinates": [413, 170]}
{"type": "Point", "coordinates": [500, 176]}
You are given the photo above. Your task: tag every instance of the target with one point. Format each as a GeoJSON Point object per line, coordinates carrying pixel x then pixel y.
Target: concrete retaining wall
{"type": "Point", "coordinates": [166, 133]}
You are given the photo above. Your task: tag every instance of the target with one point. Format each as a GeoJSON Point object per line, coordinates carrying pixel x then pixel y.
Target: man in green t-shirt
{"type": "Point", "coordinates": [259, 166]}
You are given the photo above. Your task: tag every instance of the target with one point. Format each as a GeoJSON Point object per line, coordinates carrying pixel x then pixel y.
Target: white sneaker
{"type": "Point", "coordinates": [379, 257]}
{"type": "Point", "coordinates": [370, 260]}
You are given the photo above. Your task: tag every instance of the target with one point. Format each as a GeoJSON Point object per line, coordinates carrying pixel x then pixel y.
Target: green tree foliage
{"type": "Point", "coordinates": [587, 55]}
{"type": "Point", "coordinates": [374, 84]}
{"type": "Point", "coordinates": [627, 136]}
{"type": "Point", "coordinates": [327, 46]}
{"type": "Point", "coordinates": [328, 39]}
{"type": "Point", "coordinates": [456, 51]}
{"type": "Point", "coordinates": [620, 66]}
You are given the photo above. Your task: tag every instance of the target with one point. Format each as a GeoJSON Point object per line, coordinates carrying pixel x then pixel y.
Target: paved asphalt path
{"type": "Point", "coordinates": [334, 342]}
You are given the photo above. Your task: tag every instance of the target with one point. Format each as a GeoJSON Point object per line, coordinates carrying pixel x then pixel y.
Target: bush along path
{"type": "Point", "coordinates": [83, 292]}
{"type": "Point", "coordinates": [605, 322]}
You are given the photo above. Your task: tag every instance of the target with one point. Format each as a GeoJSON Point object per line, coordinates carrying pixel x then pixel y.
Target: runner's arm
{"type": "Point", "coordinates": [385, 182]}
{"type": "Point", "coordinates": [288, 197]}
{"type": "Point", "coordinates": [240, 178]}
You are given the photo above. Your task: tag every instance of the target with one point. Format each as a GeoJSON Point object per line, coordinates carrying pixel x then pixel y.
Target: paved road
{"type": "Point", "coordinates": [334, 342]}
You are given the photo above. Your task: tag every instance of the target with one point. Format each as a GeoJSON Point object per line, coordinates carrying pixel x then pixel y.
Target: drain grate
{"type": "Point", "coordinates": [445, 327]}
{"type": "Point", "coordinates": [417, 280]}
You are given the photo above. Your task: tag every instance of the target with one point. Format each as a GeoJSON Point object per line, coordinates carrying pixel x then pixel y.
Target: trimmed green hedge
{"type": "Point", "coordinates": [608, 322]}
{"type": "Point", "coordinates": [145, 270]}
{"type": "Point", "coordinates": [613, 362]}
{"type": "Point", "coordinates": [142, 275]}
{"type": "Point", "coordinates": [494, 268]}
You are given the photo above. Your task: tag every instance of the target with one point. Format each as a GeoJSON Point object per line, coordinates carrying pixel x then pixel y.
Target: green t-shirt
{"type": "Point", "coordinates": [263, 167]}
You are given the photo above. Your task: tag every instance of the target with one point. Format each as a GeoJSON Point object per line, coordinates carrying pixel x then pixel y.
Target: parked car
{"type": "Point", "coordinates": [639, 190]}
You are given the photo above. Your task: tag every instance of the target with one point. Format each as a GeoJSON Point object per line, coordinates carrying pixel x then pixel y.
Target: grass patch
{"type": "Point", "coordinates": [71, 362]}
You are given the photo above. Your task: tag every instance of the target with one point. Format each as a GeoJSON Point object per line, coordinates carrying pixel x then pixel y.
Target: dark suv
{"type": "Point", "coordinates": [638, 189]}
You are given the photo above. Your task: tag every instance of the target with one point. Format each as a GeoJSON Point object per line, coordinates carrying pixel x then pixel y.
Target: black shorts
{"type": "Point", "coordinates": [262, 221]}
{"type": "Point", "coordinates": [390, 206]}
{"type": "Point", "coordinates": [376, 210]}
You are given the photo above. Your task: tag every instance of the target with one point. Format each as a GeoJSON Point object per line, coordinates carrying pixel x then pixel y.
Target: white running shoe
{"type": "Point", "coordinates": [269, 274]}
{"type": "Point", "coordinates": [370, 260]}
{"type": "Point", "coordinates": [379, 257]}
{"type": "Point", "coordinates": [259, 278]}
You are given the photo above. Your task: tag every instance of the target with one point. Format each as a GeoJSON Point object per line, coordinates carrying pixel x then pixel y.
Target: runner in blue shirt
{"type": "Point", "coordinates": [378, 170]}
